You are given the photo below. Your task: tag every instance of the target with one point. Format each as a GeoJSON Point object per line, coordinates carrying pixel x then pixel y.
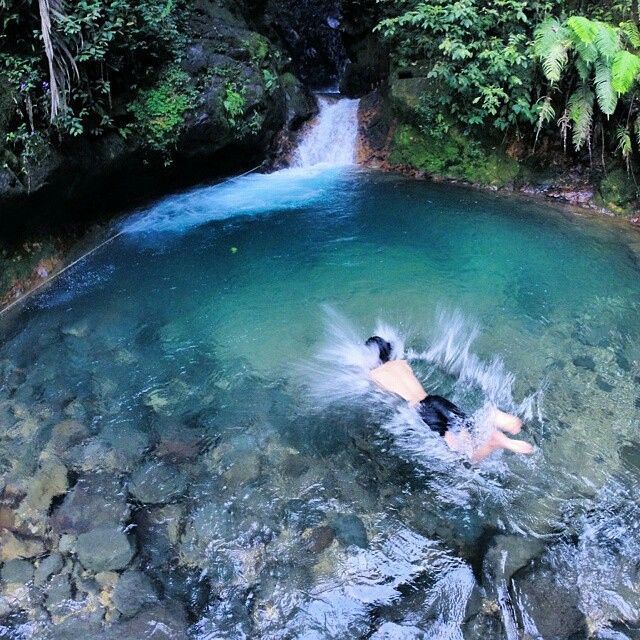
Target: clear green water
{"type": "Point", "coordinates": [279, 504]}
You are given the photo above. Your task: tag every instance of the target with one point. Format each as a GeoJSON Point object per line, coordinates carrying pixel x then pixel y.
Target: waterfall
{"type": "Point", "coordinates": [332, 138]}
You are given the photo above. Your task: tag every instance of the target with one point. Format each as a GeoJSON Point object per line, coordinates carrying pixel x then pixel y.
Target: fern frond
{"type": "Point", "coordinates": [624, 71]}
{"type": "Point", "coordinates": [545, 114]}
{"type": "Point", "coordinates": [630, 29]}
{"type": "Point", "coordinates": [607, 97]}
{"type": "Point", "coordinates": [584, 66]}
{"type": "Point", "coordinates": [551, 44]}
{"type": "Point", "coordinates": [607, 40]}
{"type": "Point", "coordinates": [582, 29]}
{"type": "Point", "coordinates": [580, 107]}
{"type": "Point", "coordinates": [623, 136]}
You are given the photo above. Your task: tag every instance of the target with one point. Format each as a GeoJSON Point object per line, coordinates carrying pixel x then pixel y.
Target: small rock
{"type": "Point", "coordinates": [16, 572]}
{"type": "Point", "coordinates": [66, 434]}
{"type": "Point", "coordinates": [601, 383]}
{"type": "Point", "coordinates": [13, 547]}
{"type": "Point", "coordinates": [132, 592]}
{"type": "Point", "coordinates": [294, 466]}
{"type": "Point", "coordinates": [320, 539]}
{"type": "Point", "coordinates": [47, 567]}
{"type": "Point", "coordinates": [104, 549]}
{"type": "Point", "coordinates": [67, 543]}
{"type": "Point", "coordinates": [49, 481]}
{"type": "Point", "coordinates": [623, 363]}
{"type": "Point", "coordinates": [58, 594]}
{"type": "Point", "coordinates": [585, 362]}
{"type": "Point", "coordinates": [158, 483]}
{"type": "Point", "coordinates": [243, 471]}
{"type": "Point", "coordinates": [350, 530]}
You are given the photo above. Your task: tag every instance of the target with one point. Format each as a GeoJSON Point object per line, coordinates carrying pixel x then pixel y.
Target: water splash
{"type": "Point", "coordinates": [339, 373]}
{"type": "Point", "coordinates": [332, 140]}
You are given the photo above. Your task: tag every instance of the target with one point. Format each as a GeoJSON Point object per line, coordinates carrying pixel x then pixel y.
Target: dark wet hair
{"type": "Point", "coordinates": [384, 347]}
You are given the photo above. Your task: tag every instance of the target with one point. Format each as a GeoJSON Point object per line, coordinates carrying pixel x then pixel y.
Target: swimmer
{"type": "Point", "coordinates": [440, 415]}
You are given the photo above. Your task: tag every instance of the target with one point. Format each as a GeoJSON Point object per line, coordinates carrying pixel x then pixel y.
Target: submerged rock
{"type": "Point", "coordinates": [508, 554]}
{"type": "Point", "coordinates": [95, 501]}
{"type": "Point", "coordinates": [393, 631]}
{"type": "Point", "coordinates": [13, 546]}
{"type": "Point", "coordinates": [350, 530]}
{"type": "Point", "coordinates": [133, 591]}
{"type": "Point", "coordinates": [47, 567]}
{"type": "Point", "coordinates": [585, 362]}
{"type": "Point", "coordinates": [554, 609]}
{"type": "Point", "coordinates": [158, 483]}
{"type": "Point", "coordinates": [104, 549]}
{"type": "Point", "coordinates": [320, 539]}
{"type": "Point", "coordinates": [16, 572]}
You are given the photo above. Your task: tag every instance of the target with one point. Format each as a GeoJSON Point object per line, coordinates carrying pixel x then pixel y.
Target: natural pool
{"type": "Point", "coordinates": [177, 462]}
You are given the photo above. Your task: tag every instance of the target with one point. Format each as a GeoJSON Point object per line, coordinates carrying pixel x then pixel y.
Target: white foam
{"type": "Point", "coordinates": [332, 140]}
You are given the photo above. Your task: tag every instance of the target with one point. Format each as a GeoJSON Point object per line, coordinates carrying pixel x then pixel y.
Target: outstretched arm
{"type": "Point", "coordinates": [396, 376]}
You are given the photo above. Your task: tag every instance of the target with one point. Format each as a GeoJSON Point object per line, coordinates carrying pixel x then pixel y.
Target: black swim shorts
{"type": "Point", "coordinates": [440, 415]}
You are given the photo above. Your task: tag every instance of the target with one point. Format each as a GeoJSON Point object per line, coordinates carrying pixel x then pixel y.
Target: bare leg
{"type": "Point", "coordinates": [505, 421]}
{"type": "Point", "coordinates": [498, 441]}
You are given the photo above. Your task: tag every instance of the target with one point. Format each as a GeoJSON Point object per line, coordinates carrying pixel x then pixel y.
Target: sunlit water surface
{"type": "Point", "coordinates": [207, 352]}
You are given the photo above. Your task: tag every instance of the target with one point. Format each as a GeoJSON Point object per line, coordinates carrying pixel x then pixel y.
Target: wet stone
{"type": "Point", "coordinates": [623, 363]}
{"type": "Point", "coordinates": [320, 539]}
{"type": "Point", "coordinates": [630, 456]}
{"type": "Point", "coordinates": [553, 608]}
{"type": "Point", "coordinates": [16, 572]}
{"type": "Point", "coordinates": [243, 471]}
{"type": "Point", "coordinates": [294, 466]}
{"type": "Point", "coordinates": [157, 483]}
{"type": "Point", "coordinates": [95, 501]}
{"type": "Point", "coordinates": [58, 594]}
{"type": "Point", "coordinates": [133, 591]}
{"type": "Point", "coordinates": [47, 567]}
{"type": "Point", "coordinates": [104, 549]}
{"type": "Point", "coordinates": [585, 362]}
{"type": "Point", "coordinates": [162, 622]}
{"type": "Point", "coordinates": [602, 384]}
{"type": "Point", "coordinates": [508, 554]}
{"type": "Point", "coordinates": [350, 530]}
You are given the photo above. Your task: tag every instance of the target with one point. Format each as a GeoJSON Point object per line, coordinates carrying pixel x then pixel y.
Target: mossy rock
{"type": "Point", "coordinates": [453, 156]}
{"type": "Point", "coordinates": [618, 192]}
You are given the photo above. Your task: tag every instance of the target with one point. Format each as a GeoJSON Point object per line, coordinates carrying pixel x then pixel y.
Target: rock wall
{"type": "Point", "coordinates": [85, 178]}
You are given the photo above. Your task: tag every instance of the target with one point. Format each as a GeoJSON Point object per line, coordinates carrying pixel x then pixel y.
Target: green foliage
{"type": "Point", "coordinates": [599, 60]}
{"type": "Point", "coordinates": [158, 112]}
{"type": "Point", "coordinates": [99, 47]}
{"type": "Point", "coordinates": [234, 103]}
{"type": "Point", "coordinates": [456, 156]}
{"type": "Point", "coordinates": [617, 191]}
{"type": "Point", "coordinates": [479, 54]}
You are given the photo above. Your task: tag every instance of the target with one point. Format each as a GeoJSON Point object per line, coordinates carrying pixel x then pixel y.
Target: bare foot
{"type": "Point", "coordinates": [499, 440]}
{"type": "Point", "coordinates": [506, 422]}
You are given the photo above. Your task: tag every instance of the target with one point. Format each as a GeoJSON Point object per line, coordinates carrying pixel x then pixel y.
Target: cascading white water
{"type": "Point", "coordinates": [333, 137]}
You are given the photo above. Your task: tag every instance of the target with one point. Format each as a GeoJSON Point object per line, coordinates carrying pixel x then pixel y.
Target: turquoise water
{"type": "Point", "coordinates": [173, 386]}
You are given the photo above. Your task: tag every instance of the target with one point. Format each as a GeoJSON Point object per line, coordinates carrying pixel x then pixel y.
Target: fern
{"type": "Point", "coordinates": [551, 44]}
{"type": "Point", "coordinates": [607, 96]}
{"type": "Point", "coordinates": [580, 107]}
{"type": "Point", "coordinates": [624, 71]}
{"type": "Point", "coordinates": [630, 29]}
{"type": "Point", "coordinates": [545, 114]}
{"type": "Point", "coordinates": [607, 40]}
{"type": "Point", "coordinates": [583, 29]}
{"type": "Point", "coordinates": [623, 136]}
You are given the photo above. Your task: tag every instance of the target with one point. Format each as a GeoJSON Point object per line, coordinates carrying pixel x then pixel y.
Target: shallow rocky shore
{"type": "Point", "coordinates": [132, 500]}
